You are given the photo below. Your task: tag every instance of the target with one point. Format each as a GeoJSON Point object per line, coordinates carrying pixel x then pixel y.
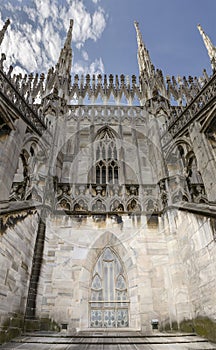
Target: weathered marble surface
{"type": "Point", "coordinates": [107, 341]}
{"type": "Point", "coordinates": [170, 268]}
{"type": "Point", "coordinates": [16, 251]}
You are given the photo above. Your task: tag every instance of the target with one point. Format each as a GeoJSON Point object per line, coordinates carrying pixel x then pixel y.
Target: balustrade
{"type": "Point", "coordinates": [179, 122]}
{"type": "Point", "coordinates": [14, 95]}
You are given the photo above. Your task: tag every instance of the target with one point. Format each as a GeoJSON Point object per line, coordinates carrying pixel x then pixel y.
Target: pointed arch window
{"type": "Point", "coordinates": [109, 296]}
{"type": "Point", "coordinates": [107, 167]}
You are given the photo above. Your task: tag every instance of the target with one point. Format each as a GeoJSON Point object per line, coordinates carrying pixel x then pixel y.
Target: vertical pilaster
{"type": "Point", "coordinates": [76, 152]}
{"type": "Point", "coordinates": [122, 171]}
{"type": "Point", "coordinates": [135, 142]}
{"type": "Point", "coordinates": [205, 160]}
{"type": "Point", "coordinates": [36, 270]}
{"type": "Point", "coordinates": [9, 160]}
{"type": "Point", "coordinates": [155, 147]}
{"type": "Point", "coordinates": [92, 160]}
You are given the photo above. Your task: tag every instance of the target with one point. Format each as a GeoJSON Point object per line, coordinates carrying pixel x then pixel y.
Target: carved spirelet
{"type": "Point", "coordinates": [209, 46]}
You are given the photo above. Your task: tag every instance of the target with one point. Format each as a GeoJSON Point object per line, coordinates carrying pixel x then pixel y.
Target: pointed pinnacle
{"type": "Point", "coordinates": [139, 35]}
{"type": "Point", "coordinates": [144, 60]}
{"type": "Point", "coordinates": [209, 46]}
{"type": "Point", "coordinates": [63, 67]}
{"type": "Point", "coordinates": [2, 32]}
{"type": "Point", "coordinates": [69, 35]}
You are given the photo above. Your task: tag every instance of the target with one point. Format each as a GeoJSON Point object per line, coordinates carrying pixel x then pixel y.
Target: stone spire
{"type": "Point", "coordinates": [144, 60]}
{"type": "Point", "coordinates": [209, 46]}
{"type": "Point", "coordinates": [58, 80]}
{"type": "Point", "coordinates": [2, 32]}
{"type": "Point", "coordinates": [63, 67]}
{"type": "Point", "coordinates": [152, 81]}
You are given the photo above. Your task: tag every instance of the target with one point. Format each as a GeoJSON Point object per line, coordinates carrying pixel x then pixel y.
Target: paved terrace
{"type": "Point", "coordinates": [108, 341]}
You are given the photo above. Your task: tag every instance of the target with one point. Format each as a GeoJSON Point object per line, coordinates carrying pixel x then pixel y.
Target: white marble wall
{"type": "Point", "coordinates": [170, 268]}
{"type": "Point", "coordinates": [193, 247]}
{"type": "Point", "coordinates": [16, 252]}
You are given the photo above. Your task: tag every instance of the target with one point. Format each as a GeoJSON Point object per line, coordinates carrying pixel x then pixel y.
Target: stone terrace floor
{"type": "Point", "coordinates": [108, 341]}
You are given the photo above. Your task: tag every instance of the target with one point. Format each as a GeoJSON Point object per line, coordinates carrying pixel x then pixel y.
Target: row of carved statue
{"type": "Point", "coordinates": [128, 198]}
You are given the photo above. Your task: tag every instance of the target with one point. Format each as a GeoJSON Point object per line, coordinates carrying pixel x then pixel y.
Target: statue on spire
{"type": "Point", "coordinates": [2, 32]}
{"type": "Point", "coordinates": [209, 46]}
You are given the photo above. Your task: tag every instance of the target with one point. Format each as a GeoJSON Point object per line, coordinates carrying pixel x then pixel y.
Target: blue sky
{"type": "Point", "coordinates": [104, 37]}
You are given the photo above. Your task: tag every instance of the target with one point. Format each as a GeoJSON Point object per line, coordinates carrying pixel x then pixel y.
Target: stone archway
{"type": "Point", "coordinates": [127, 258]}
{"type": "Point", "coordinates": [109, 304]}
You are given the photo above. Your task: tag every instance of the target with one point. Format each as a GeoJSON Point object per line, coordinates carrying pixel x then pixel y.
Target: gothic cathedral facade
{"type": "Point", "coordinates": [108, 196]}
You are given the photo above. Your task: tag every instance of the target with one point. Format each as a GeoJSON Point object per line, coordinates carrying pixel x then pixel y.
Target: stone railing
{"type": "Point", "coordinates": [85, 198]}
{"type": "Point", "coordinates": [12, 94]}
{"type": "Point", "coordinates": [105, 87]}
{"type": "Point", "coordinates": [106, 198]}
{"type": "Point", "coordinates": [107, 114]}
{"type": "Point", "coordinates": [182, 117]}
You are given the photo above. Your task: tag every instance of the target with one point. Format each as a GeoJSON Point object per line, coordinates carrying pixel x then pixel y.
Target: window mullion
{"type": "Point", "coordinates": [113, 169]}
{"type": "Point", "coordinates": [101, 169]}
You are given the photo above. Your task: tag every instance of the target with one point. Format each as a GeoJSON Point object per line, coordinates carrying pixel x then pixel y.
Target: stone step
{"type": "Point", "coordinates": [105, 341]}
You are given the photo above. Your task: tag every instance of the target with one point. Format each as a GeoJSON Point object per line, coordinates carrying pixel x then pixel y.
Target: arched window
{"type": "Point", "coordinates": [107, 169]}
{"type": "Point", "coordinates": [109, 297]}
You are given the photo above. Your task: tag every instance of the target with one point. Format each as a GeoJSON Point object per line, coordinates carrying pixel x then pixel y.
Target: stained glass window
{"type": "Point", "coordinates": [107, 169]}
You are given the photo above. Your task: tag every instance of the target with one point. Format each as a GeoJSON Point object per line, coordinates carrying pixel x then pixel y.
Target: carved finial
{"type": "Point", "coordinates": [2, 32]}
{"type": "Point", "coordinates": [144, 60]}
{"type": "Point", "coordinates": [210, 47]}
{"type": "Point", "coordinates": [139, 35]}
{"type": "Point", "coordinates": [63, 66]}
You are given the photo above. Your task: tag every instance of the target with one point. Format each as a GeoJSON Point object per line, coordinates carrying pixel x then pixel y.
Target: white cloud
{"type": "Point", "coordinates": [79, 45]}
{"type": "Point", "coordinates": [51, 42]}
{"type": "Point", "coordinates": [20, 50]}
{"type": "Point", "coordinates": [86, 25]}
{"type": "Point", "coordinates": [30, 12]}
{"type": "Point", "coordinates": [35, 37]}
{"type": "Point", "coordinates": [47, 9]}
{"type": "Point", "coordinates": [9, 7]}
{"type": "Point", "coordinates": [85, 55]}
{"type": "Point", "coordinates": [98, 23]}
{"type": "Point", "coordinates": [96, 67]}
{"type": "Point", "coordinates": [43, 7]}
